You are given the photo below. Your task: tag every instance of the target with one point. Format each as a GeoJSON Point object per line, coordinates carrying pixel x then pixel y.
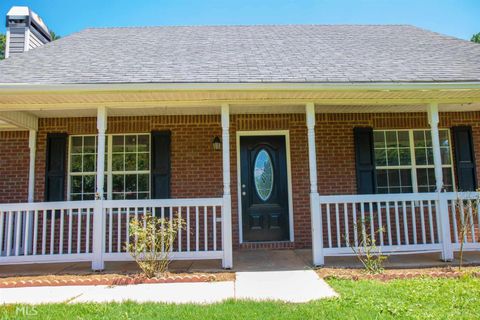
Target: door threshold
{"type": "Point", "coordinates": [269, 245]}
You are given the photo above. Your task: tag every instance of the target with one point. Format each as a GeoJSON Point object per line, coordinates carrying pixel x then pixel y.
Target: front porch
{"type": "Point", "coordinates": [46, 217]}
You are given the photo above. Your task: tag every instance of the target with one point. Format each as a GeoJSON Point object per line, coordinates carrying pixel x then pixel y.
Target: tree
{"type": "Point", "coordinates": [476, 38]}
{"type": "Point", "coordinates": [54, 36]}
{"type": "Point", "coordinates": [2, 46]}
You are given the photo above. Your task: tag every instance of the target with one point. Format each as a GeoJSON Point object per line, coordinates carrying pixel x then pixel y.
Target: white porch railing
{"type": "Point", "coordinates": [73, 231]}
{"type": "Point", "coordinates": [399, 223]}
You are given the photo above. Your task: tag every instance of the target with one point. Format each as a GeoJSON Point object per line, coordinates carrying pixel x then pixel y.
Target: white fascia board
{"type": "Point", "coordinates": [377, 86]}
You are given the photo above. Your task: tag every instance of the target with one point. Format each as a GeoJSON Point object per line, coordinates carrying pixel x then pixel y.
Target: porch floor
{"type": "Point", "coordinates": [244, 261]}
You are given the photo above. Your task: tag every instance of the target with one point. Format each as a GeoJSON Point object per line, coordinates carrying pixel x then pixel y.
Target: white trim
{"type": "Point", "coordinates": [26, 43]}
{"type": "Point", "coordinates": [339, 86]}
{"type": "Point", "coordinates": [285, 133]}
{"type": "Point", "coordinates": [32, 145]}
{"type": "Point", "coordinates": [7, 44]}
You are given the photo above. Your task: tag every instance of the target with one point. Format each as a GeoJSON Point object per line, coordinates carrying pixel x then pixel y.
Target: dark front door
{"type": "Point", "coordinates": [264, 188]}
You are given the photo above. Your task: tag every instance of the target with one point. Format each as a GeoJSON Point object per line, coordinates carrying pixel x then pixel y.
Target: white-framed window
{"type": "Point", "coordinates": [404, 160]}
{"type": "Point", "coordinates": [127, 167]}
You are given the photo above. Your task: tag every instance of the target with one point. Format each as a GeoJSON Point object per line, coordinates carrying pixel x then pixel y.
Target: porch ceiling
{"type": "Point", "coordinates": [241, 100]}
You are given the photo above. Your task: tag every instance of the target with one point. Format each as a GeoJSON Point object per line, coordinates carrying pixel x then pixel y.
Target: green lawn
{"type": "Point", "coordinates": [404, 299]}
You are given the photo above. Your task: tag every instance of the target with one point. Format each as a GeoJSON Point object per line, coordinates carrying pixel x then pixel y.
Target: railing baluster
{"type": "Point", "coordinates": [430, 222]}
{"type": "Point", "coordinates": [9, 233]}
{"type": "Point", "coordinates": [52, 231]}
{"type": "Point", "coordinates": [2, 234]}
{"type": "Point", "coordinates": [35, 232]}
{"type": "Point", "coordinates": [397, 224]}
{"type": "Point", "coordinates": [136, 219]}
{"type": "Point", "coordinates": [205, 225]}
{"type": "Point", "coordinates": [197, 230]}
{"type": "Point", "coordinates": [454, 220]}
{"type": "Point", "coordinates": [26, 235]}
{"type": "Point", "coordinates": [79, 230]}
{"type": "Point", "coordinates": [87, 236]}
{"type": "Point", "coordinates": [44, 232]}
{"type": "Point", "coordinates": [422, 217]}
{"type": "Point", "coordinates": [380, 222]}
{"type": "Point", "coordinates": [472, 225]}
{"type": "Point", "coordinates": [110, 230]}
{"type": "Point", "coordinates": [119, 229]}
{"type": "Point", "coordinates": [478, 215]}
{"type": "Point", "coordinates": [329, 227]}
{"type": "Point", "coordinates": [61, 231]}
{"type": "Point", "coordinates": [414, 222]}
{"type": "Point", "coordinates": [345, 217]}
{"type": "Point", "coordinates": [179, 229]}
{"type": "Point", "coordinates": [389, 224]}
{"type": "Point", "coordinates": [127, 226]}
{"type": "Point", "coordinates": [214, 221]}
{"type": "Point", "coordinates": [405, 223]}
{"type": "Point", "coordinates": [364, 231]}
{"type": "Point", "coordinates": [372, 224]}
{"type": "Point", "coordinates": [355, 224]}
{"type": "Point", "coordinates": [18, 232]}
{"type": "Point", "coordinates": [188, 229]}
{"type": "Point", "coordinates": [462, 219]}
{"type": "Point", "coordinates": [337, 220]}
{"type": "Point", "coordinates": [70, 231]}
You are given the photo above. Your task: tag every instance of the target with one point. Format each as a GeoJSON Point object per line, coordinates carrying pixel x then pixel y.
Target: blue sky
{"type": "Point", "coordinates": [459, 18]}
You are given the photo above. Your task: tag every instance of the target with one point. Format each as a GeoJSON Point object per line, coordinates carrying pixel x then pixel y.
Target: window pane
{"type": "Point", "coordinates": [403, 139]}
{"type": "Point", "coordinates": [89, 184]}
{"type": "Point", "coordinates": [131, 183]}
{"type": "Point", "coordinates": [382, 178]}
{"type": "Point", "coordinates": [422, 177]}
{"type": "Point", "coordinates": [391, 138]}
{"type": "Point", "coordinates": [143, 163]}
{"type": "Point", "coordinates": [117, 162]}
{"type": "Point", "coordinates": [143, 143]}
{"type": "Point", "coordinates": [118, 196]}
{"type": "Point", "coordinates": [394, 178]}
{"type": "Point", "coordinates": [117, 144]}
{"type": "Point", "coordinates": [143, 195]}
{"type": "Point", "coordinates": [392, 157]}
{"type": "Point", "coordinates": [76, 145]}
{"type": "Point", "coordinates": [130, 162]}
{"type": "Point", "coordinates": [379, 138]}
{"type": "Point", "coordinates": [76, 163]}
{"type": "Point", "coordinates": [419, 138]}
{"type": "Point", "coordinates": [405, 159]}
{"type": "Point", "coordinates": [445, 152]}
{"type": "Point", "coordinates": [428, 138]}
{"type": "Point", "coordinates": [130, 143]}
{"type": "Point", "coordinates": [406, 179]}
{"type": "Point", "coordinates": [89, 144]}
{"type": "Point", "coordinates": [444, 140]}
{"type": "Point", "coordinates": [89, 163]}
{"type": "Point", "coordinates": [420, 156]}
{"type": "Point", "coordinates": [143, 182]}
{"type": "Point", "coordinates": [118, 183]}
{"type": "Point", "coordinates": [76, 197]}
{"type": "Point", "coordinates": [76, 184]}
{"type": "Point", "coordinates": [430, 155]}
{"type": "Point", "coordinates": [381, 157]}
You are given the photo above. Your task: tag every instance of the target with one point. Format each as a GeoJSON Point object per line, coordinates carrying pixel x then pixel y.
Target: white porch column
{"type": "Point", "coordinates": [99, 217]}
{"type": "Point", "coordinates": [32, 145]}
{"type": "Point", "coordinates": [316, 218]}
{"type": "Point", "coordinates": [433, 120]}
{"type": "Point", "coordinates": [443, 215]}
{"type": "Point", "coordinates": [227, 261]}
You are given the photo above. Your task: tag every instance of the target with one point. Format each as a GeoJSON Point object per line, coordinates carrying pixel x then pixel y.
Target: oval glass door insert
{"type": "Point", "coordinates": [263, 175]}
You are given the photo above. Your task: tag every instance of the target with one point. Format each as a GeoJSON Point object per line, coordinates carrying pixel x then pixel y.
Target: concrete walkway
{"type": "Point", "coordinates": [288, 286]}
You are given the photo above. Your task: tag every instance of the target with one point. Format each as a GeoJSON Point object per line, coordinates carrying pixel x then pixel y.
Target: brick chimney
{"type": "Point", "coordinates": [25, 31]}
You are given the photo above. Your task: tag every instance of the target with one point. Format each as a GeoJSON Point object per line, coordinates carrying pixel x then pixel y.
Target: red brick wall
{"type": "Point", "coordinates": [14, 164]}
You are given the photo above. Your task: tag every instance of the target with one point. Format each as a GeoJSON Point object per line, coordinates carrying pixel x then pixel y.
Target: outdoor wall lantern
{"type": "Point", "coordinates": [217, 144]}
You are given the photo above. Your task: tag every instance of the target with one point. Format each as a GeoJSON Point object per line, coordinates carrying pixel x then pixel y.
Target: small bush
{"type": "Point", "coordinates": [367, 251]}
{"type": "Point", "coordinates": [153, 241]}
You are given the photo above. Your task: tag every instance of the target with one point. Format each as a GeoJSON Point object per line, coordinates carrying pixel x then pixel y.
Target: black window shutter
{"type": "Point", "coordinates": [365, 161]}
{"type": "Point", "coordinates": [160, 172]}
{"type": "Point", "coordinates": [55, 167]}
{"type": "Point", "coordinates": [465, 158]}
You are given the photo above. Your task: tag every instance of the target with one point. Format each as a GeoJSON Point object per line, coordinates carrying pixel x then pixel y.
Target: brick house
{"type": "Point", "coordinates": [276, 137]}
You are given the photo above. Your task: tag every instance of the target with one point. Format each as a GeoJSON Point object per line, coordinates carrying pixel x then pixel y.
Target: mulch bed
{"type": "Point", "coordinates": [394, 274]}
{"type": "Point", "coordinates": [109, 279]}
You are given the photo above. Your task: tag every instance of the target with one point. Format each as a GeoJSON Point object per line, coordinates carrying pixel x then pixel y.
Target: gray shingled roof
{"type": "Point", "coordinates": [245, 54]}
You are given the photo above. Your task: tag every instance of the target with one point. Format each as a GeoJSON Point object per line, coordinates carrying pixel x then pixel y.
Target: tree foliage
{"type": "Point", "coordinates": [2, 46]}
{"type": "Point", "coordinates": [476, 38]}
{"type": "Point", "coordinates": [54, 36]}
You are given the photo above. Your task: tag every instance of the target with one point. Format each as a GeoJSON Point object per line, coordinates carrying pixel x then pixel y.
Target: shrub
{"type": "Point", "coordinates": [153, 240]}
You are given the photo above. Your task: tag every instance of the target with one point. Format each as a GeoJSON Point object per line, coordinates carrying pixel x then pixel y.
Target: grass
{"type": "Point", "coordinates": [424, 298]}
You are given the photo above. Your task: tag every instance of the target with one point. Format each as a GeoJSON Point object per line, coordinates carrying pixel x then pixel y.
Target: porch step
{"type": "Point", "coordinates": [273, 245]}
